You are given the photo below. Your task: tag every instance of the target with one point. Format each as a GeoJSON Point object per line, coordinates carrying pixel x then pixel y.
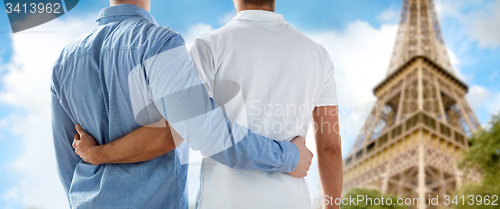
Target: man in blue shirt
{"type": "Point", "coordinates": [130, 72]}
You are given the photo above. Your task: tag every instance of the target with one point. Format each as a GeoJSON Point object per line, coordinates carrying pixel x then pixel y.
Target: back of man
{"type": "Point", "coordinates": [261, 52]}
{"type": "Point", "coordinates": [90, 87]}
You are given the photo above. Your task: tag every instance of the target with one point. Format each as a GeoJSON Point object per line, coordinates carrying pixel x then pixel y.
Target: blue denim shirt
{"type": "Point", "coordinates": [129, 72]}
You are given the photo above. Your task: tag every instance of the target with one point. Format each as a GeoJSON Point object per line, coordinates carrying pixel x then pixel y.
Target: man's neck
{"type": "Point", "coordinates": [143, 4]}
{"type": "Point", "coordinates": [253, 7]}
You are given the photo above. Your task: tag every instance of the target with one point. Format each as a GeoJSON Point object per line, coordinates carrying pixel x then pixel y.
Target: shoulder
{"type": "Point", "coordinates": [319, 49]}
{"type": "Point", "coordinates": [156, 39]}
{"type": "Point", "coordinates": [80, 45]}
{"type": "Point", "coordinates": [310, 45]}
{"type": "Point", "coordinates": [307, 41]}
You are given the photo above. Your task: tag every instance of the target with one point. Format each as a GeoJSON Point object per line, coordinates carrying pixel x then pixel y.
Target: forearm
{"type": "Point", "coordinates": [257, 153]}
{"type": "Point", "coordinates": [329, 148]}
{"type": "Point", "coordinates": [143, 144]}
{"type": "Point", "coordinates": [331, 172]}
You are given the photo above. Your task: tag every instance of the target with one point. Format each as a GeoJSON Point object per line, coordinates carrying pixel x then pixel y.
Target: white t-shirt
{"type": "Point", "coordinates": [269, 77]}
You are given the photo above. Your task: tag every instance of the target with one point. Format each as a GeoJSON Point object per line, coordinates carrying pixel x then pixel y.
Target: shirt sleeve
{"type": "Point", "coordinates": [328, 95]}
{"type": "Point", "coordinates": [63, 132]}
{"type": "Point", "coordinates": [182, 99]}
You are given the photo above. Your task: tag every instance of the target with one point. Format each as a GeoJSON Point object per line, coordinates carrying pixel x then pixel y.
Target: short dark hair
{"type": "Point", "coordinates": [258, 2]}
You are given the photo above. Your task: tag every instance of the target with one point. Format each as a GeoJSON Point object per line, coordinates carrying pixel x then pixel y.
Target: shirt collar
{"type": "Point", "coordinates": [260, 16]}
{"type": "Point", "coordinates": [122, 11]}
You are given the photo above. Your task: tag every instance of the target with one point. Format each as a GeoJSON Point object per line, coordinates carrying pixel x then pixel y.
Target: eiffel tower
{"type": "Point", "coordinates": [421, 121]}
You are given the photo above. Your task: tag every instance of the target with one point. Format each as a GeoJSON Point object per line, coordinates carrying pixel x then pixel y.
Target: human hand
{"type": "Point", "coordinates": [305, 158]}
{"type": "Point", "coordinates": [85, 146]}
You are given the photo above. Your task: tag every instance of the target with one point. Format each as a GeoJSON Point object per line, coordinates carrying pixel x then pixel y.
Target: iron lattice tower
{"type": "Point", "coordinates": [421, 121]}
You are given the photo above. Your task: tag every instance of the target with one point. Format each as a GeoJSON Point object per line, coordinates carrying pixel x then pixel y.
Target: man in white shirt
{"type": "Point", "coordinates": [262, 53]}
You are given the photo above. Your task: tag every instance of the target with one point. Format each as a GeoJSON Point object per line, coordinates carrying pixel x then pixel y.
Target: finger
{"type": "Point", "coordinates": [305, 169]}
{"type": "Point", "coordinates": [77, 137]}
{"type": "Point", "coordinates": [80, 130]}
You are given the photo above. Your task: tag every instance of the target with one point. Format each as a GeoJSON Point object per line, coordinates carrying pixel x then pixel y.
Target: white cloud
{"type": "Point", "coordinates": [27, 87]}
{"type": "Point", "coordinates": [449, 8]}
{"type": "Point", "coordinates": [361, 55]}
{"type": "Point", "coordinates": [4, 123]}
{"type": "Point", "coordinates": [455, 63]}
{"type": "Point", "coordinates": [485, 27]}
{"type": "Point", "coordinates": [227, 17]}
{"type": "Point", "coordinates": [477, 95]}
{"type": "Point", "coordinates": [457, 8]}
{"type": "Point", "coordinates": [195, 32]}
{"type": "Point", "coordinates": [479, 17]}
{"type": "Point", "coordinates": [390, 15]}
{"type": "Point", "coordinates": [11, 195]}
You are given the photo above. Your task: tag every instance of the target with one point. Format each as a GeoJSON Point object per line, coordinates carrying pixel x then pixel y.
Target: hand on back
{"type": "Point", "coordinates": [305, 159]}
{"type": "Point", "coordinates": [84, 145]}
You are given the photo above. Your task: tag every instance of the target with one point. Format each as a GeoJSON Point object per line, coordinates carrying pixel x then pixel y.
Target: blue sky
{"type": "Point", "coordinates": [359, 36]}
